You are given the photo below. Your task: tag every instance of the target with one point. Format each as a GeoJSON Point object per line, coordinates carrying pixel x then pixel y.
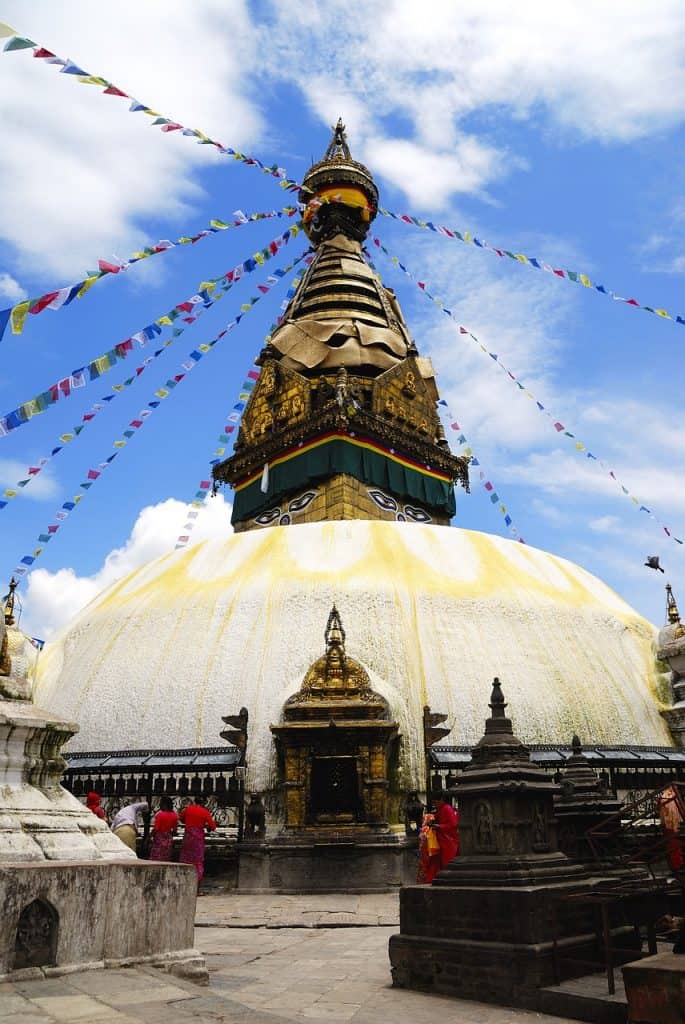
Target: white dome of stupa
{"type": "Point", "coordinates": [431, 612]}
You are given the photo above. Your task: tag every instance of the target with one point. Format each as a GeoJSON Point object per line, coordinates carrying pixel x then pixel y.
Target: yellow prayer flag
{"type": "Point", "coordinates": [520, 257]}
{"type": "Point", "coordinates": [66, 438]}
{"type": "Point", "coordinates": [152, 113]}
{"type": "Point", "coordinates": [10, 494]}
{"type": "Point", "coordinates": [140, 255]}
{"type": "Point", "coordinates": [580, 446]}
{"type": "Point", "coordinates": [245, 308]}
{"type": "Point", "coordinates": [6, 31]}
{"type": "Point", "coordinates": [663, 313]}
{"type": "Point", "coordinates": [119, 444]}
{"type": "Point", "coordinates": [467, 237]}
{"type": "Point", "coordinates": [18, 316]}
{"type": "Point", "coordinates": [219, 224]}
{"type": "Point", "coordinates": [585, 280]}
{"type": "Point", "coordinates": [207, 286]}
{"type": "Point", "coordinates": [204, 347]}
{"type": "Point", "coordinates": [220, 451]}
{"type": "Point", "coordinates": [117, 387]}
{"type": "Point", "coordinates": [37, 552]}
{"type": "Point", "coordinates": [162, 393]}
{"type": "Point", "coordinates": [164, 320]}
{"type": "Point", "coordinates": [77, 498]}
{"type": "Point", "coordinates": [88, 283]}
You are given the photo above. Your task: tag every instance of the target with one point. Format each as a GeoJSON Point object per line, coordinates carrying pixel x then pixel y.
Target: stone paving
{"type": "Point", "coordinates": [272, 960]}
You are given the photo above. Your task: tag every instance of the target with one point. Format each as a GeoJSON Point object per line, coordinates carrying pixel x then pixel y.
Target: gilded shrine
{"type": "Point", "coordinates": [336, 744]}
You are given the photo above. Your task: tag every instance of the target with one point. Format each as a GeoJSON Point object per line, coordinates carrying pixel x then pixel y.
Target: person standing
{"type": "Point", "coordinates": [443, 827]}
{"type": "Point", "coordinates": [196, 819]}
{"type": "Point", "coordinates": [163, 829]}
{"type": "Point", "coordinates": [124, 823]}
{"type": "Point", "coordinates": [94, 805]}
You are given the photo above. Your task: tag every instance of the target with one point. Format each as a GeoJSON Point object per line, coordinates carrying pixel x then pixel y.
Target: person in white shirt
{"type": "Point", "coordinates": [124, 823]}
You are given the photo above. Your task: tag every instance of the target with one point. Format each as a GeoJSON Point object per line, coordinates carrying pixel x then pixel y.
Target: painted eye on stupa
{"type": "Point", "coordinates": [383, 501]}
{"type": "Point", "coordinates": [417, 515]}
{"type": "Point", "coordinates": [268, 517]}
{"type": "Point", "coordinates": [285, 520]}
{"type": "Point", "coordinates": [300, 504]}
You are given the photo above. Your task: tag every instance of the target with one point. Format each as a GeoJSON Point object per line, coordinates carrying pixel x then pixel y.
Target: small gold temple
{"type": "Point", "coordinates": [336, 744]}
{"type": "Point", "coordinates": [343, 421]}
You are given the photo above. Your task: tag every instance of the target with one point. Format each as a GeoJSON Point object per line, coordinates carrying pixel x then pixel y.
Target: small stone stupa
{"type": "Point", "coordinates": [72, 893]}
{"type": "Point", "coordinates": [487, 926]}
{"type": "Point", "coordinates": [671, 649]}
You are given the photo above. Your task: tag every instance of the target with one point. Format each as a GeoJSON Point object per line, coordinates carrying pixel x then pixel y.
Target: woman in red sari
{"type": "Point", "coordinates": [196, 819]}
{"type": "Point", "coordinates": [165, 824]}
{"type": "Point", "coordinates": [443, 827]}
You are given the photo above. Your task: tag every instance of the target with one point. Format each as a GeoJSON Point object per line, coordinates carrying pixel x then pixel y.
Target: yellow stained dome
{"type": "Point", "coordinates": [431, 613]}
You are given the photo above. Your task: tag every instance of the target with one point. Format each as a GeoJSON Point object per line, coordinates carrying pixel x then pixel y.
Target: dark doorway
{"type": "Point", "coordinates": [36, 939]}
{"type": "Point", "coordinates": [334, 789]}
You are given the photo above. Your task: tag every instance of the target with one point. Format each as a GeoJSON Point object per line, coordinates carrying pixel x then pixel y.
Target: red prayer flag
{"type": "Point", "coordinates": [109, 268]}
{"type": "Point", "coordinates": [42, 302]}
{"type": "Point", "coordinates": [112, 90]}
{"type": "Point", "coordinates": [53, 529]}
{"type": "Point", "coordinates": [93, 474]}
{"type": "Point", "coordinates": [205, 485]}
{"type": "Point", "coordinates": [559, 273]}
{"type": "Point", "coordinates": [42, 52]}
{"type": "Point", "coordinates": [558, 426]}
{"type": "Point", "coordinates": [171, 127]}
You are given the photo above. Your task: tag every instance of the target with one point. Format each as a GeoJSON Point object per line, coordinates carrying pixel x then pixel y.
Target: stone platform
{"type": "Point", "coordinates": [344, 863]}
{"type": "Point", "coordinates": [101, 914]}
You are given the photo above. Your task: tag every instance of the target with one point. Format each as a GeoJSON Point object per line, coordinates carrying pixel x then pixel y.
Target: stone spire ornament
{"type": "Point", "coordinates": [671, 649]}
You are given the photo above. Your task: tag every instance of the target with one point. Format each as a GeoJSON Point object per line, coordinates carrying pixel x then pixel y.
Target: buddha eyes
{"type": "Point", "coordinates": [268, 517]}
{"type": "Point", "coordinates": [299, 504]}
{"type": "Point", "coordinates": [383, 501]}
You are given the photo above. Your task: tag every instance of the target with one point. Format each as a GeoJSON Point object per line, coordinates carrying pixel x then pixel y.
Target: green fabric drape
{"type": "Point", "coordinates": [340, 456]}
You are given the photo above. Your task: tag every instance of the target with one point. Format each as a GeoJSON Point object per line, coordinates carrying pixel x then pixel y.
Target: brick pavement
{"type": "Point", "coordinates": [272, 960]}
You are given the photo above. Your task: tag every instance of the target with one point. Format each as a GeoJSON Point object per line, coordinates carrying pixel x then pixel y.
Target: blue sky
{"type": "Point", "coordinates": [552, 132]}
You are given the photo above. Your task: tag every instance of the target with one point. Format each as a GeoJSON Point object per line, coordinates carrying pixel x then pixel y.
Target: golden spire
{"type": "Point", "coordinates": [335, 645]}
{"type": "Point", "coordinates": [9, 600]}
{"type": "Point", "coordinates": [338, 147]}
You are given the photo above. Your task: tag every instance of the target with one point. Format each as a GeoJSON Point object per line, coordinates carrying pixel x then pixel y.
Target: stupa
{"type": "Point", "coordinates": [343, 493]}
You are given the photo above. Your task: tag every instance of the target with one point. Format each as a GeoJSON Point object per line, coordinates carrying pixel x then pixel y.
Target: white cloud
{"type": "Point", "coordinates": [78, 172]}
{"type": "Point", "coordinates": [53, 598]}
{"type": "Point", "coordinates": [43, 486]}
{"type": "Point", "coordinates": [11, 289]}
{"type": "Point", "coordinates": [599, 71]}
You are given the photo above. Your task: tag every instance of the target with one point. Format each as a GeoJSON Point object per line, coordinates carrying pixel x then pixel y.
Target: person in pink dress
{"type": "Point", "coordinates": [163, 829]}
{"type": "Point", "coordinates": [196, 819]}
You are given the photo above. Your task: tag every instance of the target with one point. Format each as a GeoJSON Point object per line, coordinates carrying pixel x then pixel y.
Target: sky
{"type": "Point", "coordinates": [554, 130]}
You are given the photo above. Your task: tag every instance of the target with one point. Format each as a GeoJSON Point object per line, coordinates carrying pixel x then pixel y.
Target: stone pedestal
{"type": "Point", "coordinates": [314, 864]}
{"type": "Point", "coordinates": [106, 914]}
{"type": "Point", "coordinates": [72, 894]}
{"type": "Point", "coordinates": [494, 924]}
{"type": "Point", "coordinates": [655, 989]}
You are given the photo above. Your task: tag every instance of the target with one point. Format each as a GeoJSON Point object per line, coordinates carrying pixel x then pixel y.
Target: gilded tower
{"type": "Point", "coordinates": [343, 421]}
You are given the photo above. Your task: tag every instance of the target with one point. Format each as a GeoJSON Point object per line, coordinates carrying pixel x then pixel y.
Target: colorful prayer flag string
{"type": "Point", "coordinates": [558, 426]}
{"type": "Point", "coordinates": [233, 421]}
{"type": "Point", "coordinates": [34, 470]}
{"type": "Point", "coordinates": [17, 316]}
{"type": "Point", "coordinates": [529, 261]}
{"type": "Point", "coordinates": [488, 486]}
{"type": "Point", "coordinates": [83, 375]}
{"type": "Point", "coordinates": [93, 474]}
{"type": "Point", "coordinates": [167, 124]}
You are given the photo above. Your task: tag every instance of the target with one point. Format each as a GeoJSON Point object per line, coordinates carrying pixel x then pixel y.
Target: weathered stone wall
{"type": "Point", "coordinates": [107, 911]}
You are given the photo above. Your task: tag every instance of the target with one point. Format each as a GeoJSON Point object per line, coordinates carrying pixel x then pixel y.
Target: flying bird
{"type": "Point", "coordinates": [653, 562]}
